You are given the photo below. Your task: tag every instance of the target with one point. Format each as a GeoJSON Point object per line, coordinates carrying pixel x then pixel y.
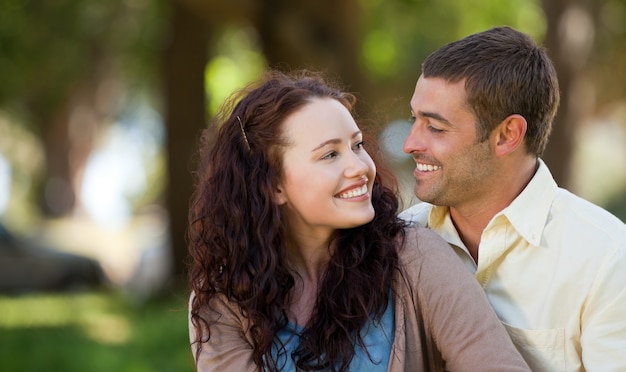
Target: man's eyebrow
{"type": "Point", "coordinates": [433, 115]}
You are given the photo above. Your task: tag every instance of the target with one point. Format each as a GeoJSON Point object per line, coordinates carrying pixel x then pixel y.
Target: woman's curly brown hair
{"type": "Point", "coordinates": [237, 235]}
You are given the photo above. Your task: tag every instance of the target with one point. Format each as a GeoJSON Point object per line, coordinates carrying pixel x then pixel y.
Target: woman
{"type": "Point", "coordinates": [299, 261]}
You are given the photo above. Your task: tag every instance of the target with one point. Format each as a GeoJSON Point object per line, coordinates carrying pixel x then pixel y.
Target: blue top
{"type": "Point", "coordinates": [377, 336]}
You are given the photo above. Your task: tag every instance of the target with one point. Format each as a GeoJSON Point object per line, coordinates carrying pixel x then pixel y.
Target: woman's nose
{"type": "Point", "coordinates": [357, 166]}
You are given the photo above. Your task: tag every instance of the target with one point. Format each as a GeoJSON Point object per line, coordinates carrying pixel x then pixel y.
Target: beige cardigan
{"type": "Point", "coordinates": [441, 313]}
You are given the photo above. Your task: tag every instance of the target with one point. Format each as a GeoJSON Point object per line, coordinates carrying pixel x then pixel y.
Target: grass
{"type": "Point", "coordinates": [99, 331]}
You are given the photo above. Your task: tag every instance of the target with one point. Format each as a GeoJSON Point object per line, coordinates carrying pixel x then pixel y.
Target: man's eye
{"type": "Point", "coordinates": [434, 130]}
{"type": "Point", "coordinates": [411, 119]}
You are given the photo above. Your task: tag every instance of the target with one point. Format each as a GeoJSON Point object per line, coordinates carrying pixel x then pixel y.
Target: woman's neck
{"type": "Point", "coordinates": [309, 261]}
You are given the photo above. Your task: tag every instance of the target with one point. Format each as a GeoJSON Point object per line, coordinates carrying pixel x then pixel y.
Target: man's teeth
{"type": "Point", "coordinates": [427, 167]}
{"type": "Point", "coordinates": [354, 192]}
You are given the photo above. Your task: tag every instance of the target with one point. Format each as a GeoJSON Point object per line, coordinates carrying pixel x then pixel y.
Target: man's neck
{"type": "Point", "coordinates": [471, 218]}
{"type": "Point", "coordinates": [470, 226]}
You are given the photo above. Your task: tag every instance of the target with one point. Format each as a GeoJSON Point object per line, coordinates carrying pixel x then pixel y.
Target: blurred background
{"type": "Point", "coordinates": [102, 103]}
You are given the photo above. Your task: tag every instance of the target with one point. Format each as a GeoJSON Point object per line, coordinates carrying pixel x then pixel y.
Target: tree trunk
{"type": "Point", "coordinates": [68, 134]}
{"type": "Point", "coordinates": [315, 34]}
{"type": "Point", "coordinates": [185, 108]}
{"type": "Point", "coordinates": [569, 40]}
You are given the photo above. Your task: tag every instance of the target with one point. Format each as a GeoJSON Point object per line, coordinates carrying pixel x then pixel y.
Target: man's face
{"type": "Point", "coordinates": [452, 168]}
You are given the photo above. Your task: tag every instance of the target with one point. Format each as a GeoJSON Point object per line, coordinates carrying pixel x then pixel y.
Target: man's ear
{"type": "Point", "coordinates": [509, 134]}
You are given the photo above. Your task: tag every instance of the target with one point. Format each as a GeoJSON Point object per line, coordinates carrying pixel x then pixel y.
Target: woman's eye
{"type": "Point", "coordinates": [360, 145]}
{"type": "Point", "coordinates": [330, 155]}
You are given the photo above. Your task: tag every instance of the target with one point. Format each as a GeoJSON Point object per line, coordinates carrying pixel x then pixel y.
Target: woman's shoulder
{"type": "Point", "coordinates": [424, 253]}
{"type": "Point", "coordinates": [419, 240]}
{"type": "Point", "coordinates": [220, 309]}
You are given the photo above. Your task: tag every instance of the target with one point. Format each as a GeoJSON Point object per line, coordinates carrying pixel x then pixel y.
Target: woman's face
{"type": "Point", "coordinates": [327, 174]}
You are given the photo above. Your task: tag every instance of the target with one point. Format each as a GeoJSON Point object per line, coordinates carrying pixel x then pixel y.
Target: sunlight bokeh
{"type": "Point", "coordinates": [120, 169]}
{"type": "Point", "coordinates": [5, 183]}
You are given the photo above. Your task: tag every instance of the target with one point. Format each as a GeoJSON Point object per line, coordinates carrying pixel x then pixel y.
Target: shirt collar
{"type": "Point", "coordinates": [439, 221]}
{"type": "Point", "coordinates": [527, 213]}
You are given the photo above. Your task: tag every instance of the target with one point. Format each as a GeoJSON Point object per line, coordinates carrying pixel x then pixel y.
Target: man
{"type": "Point", "coordinates": [552, 264]}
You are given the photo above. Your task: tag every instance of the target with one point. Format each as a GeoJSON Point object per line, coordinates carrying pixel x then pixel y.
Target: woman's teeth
{"type": "Point", "coordinates": [354, 192]}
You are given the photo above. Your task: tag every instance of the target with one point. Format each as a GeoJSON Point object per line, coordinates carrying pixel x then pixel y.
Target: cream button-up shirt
{"type": "Point", "coordinates": [553, 267]}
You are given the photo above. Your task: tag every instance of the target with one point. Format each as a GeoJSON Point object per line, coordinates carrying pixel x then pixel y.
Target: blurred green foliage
{"type": "Point", "coordinates": [237, 62]}
{"type": "Point", "coordinates": [399, 34]}
{"type": "Point", "coordinates": [49, 46]}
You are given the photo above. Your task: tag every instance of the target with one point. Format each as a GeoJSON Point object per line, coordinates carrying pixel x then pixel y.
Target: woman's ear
{"type": "Point", "coordinates": [280, 197]}
{"type": "Point", "coordinates": [509, 134]}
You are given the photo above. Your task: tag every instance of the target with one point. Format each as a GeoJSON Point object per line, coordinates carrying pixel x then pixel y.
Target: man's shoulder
{"type": "Point", "coordinates": [590, 216]}
{"type": "Point", "coordinates": [417, 213]}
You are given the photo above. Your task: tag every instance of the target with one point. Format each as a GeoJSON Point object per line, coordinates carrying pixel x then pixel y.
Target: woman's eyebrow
{"type": "Point", "coordinates": [334, 141]}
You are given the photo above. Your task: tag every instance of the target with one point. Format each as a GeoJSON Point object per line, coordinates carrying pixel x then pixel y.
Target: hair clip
{"type": "Point", "coordinates": [243, 132]}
